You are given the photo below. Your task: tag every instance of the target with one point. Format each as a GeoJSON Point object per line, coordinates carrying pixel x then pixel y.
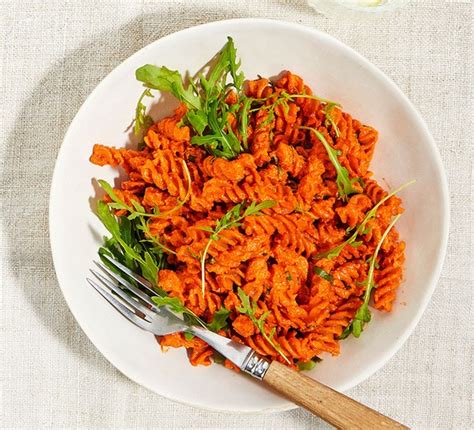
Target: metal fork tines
{"type": "Point", "coordinates": [132, 302]}
{"type": "Point", "coordinates": [133, 310]}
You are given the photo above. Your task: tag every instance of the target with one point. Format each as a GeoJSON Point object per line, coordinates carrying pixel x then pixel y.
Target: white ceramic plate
{"type": "Point", "coordinates": [406, 151]}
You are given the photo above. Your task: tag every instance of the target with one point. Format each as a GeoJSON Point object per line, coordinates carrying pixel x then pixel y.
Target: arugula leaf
{"type": "Point", "coordinates": [223, 144]}
{"type": "Point", "coordinates": [282, 99]}
{"type": "Point", "coordinates": [250, 309]}
{"type": "Point", "coordinates": [327, 112]}
{"type": "Point", "coordinates": [188, 335]}
{"type": "Point", "coordinates": [198, 120]}
{"type": "Point", "coordinates": [372, 212]}
{"type": "Point", "coordinates": [175, 305]}
{"type": "Point", "coordinates": [126, 230]}
{"type": "Point", "coordinates": [362, 228]}
{"type": "Point", "coordinates": [108, 219]}
{"type": "Point", "coordinates": [334, 252]}
{"type": "Point", "coordinates": [142, 120]}
{"type": "Point", "coordinates": [117, 203]}
{"type": "Point", "coordinates": [293, 97]}
{"type": "Point", "coordinates": [219, 320]}
{"type": "Point", "coordinates": [205, 99]}
{"type": "Point", "coordinates": [218, 73]}
{"type": "Point", "coordinates": [320, 272]}
{"type": "Point", "coordinates": [152, 239]}
{"type": "Point", "coordinates": [166, 80]}
{"type": "Point", "coordinates": [343, 181]}
{"type": "Point", "coordinates": [231, 219]}
{"type": "Point", "coordinates": [112, 249]}
{"type": "Point", "coordinates": [226, 63]}
{"type": "Point", "coordinates": [137, 210]}
{"type": "Point", "coordinates": [363, 314]}
{"type": "Point", "coordinates": [308, 365]}
{"type": "Point", "coordinates": [149, 267]}
{"type": "Point", "coordinates": [125, 244]}
{"type": "Point", "coordinates": [313, 97]}
{"type": "Point", "coordinates": [231, 53]}
{"type": "Point", "coordinates": [112, 225]}
{"type": "Point", "coordinates": [244, 119]}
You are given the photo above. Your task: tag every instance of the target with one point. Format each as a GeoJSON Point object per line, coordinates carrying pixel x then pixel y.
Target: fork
{"type": "Point", "coordinates": [136, 305]}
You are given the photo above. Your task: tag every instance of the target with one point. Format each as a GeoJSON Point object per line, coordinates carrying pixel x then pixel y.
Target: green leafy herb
{"type": "Point", "coordinates": [220, 140]}
{"type": "Point", "coordinates": [284, 97]}
{"type": "Point", "coordinates": [153, 239]}
{"type": "Point", "coordinates": [142, 120]}
{"type": "Point", "coordinates": [244, 119]}
{"type": "Point", "coordinates": [175, 305]}
{"type": "Point", "coordinates": [250, 308]}
{"type": "Point", "coordinates": [208, 112]}
{"type": "Point", "coordinates": [300, 210]}
{"type": "Point", "coordinates": [112, 224]}
{"type": "Point", "coordinates": [320, 272]}
{"type": "Point", "coordinates": [237, 77]}
{"type": "Point", "coordinates": [313, 97]}
{"type": "Point", "coordinates": [188, 335]}
{"type": "Point", "coordinates": [328, 113]}
{"type": "Point", "coordinates": [231, 219]}
{"type": "Point", "coordinates": [118, 204]}
{"type": "Point", "coordinates": [293, 97]}
{"type": "Point", "coordinates": [219, 320]}
{"type": "Point", "coordinates": [362, 228]}
{"type": "Point", "coordinates": [166, 80]}
{"type": "Point", "coordinates": [125, 244]}
{"type": "Point", "coordinates": [218, 358]}
{"type": "Point", "coordinates": [363, 314]}
{"type": "Point", "coordinates": [308, 365]}
{"type": "Point", "coordinates": [136, 210]}
{"type": "Point", "coordinates": [343, 181]}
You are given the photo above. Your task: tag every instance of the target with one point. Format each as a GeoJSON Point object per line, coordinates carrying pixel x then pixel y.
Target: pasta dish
{"type": "Point", "coordinates": [254, 211]}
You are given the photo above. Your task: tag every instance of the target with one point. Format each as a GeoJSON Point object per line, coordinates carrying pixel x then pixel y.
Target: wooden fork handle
{"type": "Point", "coordinates": [333, 407]}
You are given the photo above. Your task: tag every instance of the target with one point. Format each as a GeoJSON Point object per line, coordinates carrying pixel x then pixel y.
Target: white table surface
{"type": "Point", "coordinates": [53, 53]}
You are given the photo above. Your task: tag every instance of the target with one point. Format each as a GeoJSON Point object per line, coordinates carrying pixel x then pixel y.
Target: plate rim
{"type": "Point", "coordinates": [431, 283]}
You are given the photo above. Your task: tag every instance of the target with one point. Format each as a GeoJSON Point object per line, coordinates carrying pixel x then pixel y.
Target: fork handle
{"type": "Point", "coordinates": [335, 408]}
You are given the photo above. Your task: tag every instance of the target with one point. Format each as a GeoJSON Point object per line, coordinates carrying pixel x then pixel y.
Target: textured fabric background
{"type": "Point", "coordinates": [53, 53]}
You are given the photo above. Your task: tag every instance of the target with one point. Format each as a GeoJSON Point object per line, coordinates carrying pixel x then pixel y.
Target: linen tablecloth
{"type": "Point", "coordinates": [53, 53]}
